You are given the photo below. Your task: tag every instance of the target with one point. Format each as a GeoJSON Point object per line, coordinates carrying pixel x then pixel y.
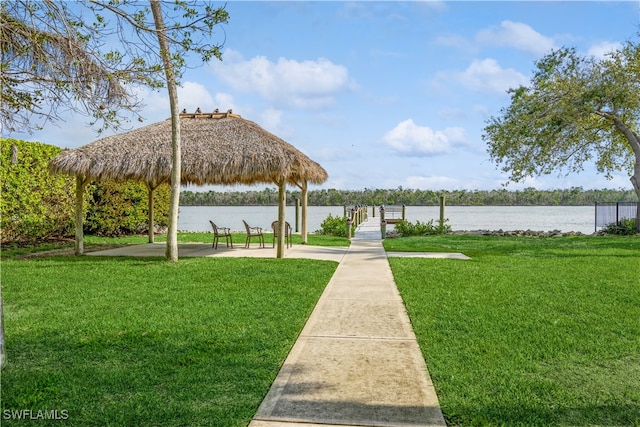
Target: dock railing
{"type": "Point", "coordinates": [392, 214]}
{"type": "Point", "coordinates": [357, 213]}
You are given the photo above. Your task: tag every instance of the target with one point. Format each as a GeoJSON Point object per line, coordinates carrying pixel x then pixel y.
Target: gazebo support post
{"type": "Point", "coordinates": [303, 230]}
{"type": "Point", "coordinates": [150, 189]}
{"type": "Point", "coordinates": [282, 202]}
{"type": "Point", "coordinates": [81, 185]}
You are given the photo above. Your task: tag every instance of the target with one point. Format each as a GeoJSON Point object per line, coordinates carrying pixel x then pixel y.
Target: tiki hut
{"type": "Point", "coordinates": [217, 148]}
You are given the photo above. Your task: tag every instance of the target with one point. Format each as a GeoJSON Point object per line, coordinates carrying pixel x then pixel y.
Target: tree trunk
{"type": "Point", "coordinates": [176, 172]}
{"type": "Point", "coordinates": [634, 142]}
{"type": "Point", "coordinates": [635, 180]}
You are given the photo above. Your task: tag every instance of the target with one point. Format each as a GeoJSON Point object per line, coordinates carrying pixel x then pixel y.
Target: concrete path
{"type": "Point", "coordinates": [357, 361]}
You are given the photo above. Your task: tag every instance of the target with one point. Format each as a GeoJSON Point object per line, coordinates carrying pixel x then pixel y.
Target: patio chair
{"type": "Point", "coordinates": [253, 232]}
{"type": "Point", "coordinates": [221, 232]}
{"type": "Point", "coordinates": [287, 233]}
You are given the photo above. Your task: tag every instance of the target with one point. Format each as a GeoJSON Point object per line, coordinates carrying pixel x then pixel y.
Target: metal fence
{"type": "Point", "coordinates": [613, 213]}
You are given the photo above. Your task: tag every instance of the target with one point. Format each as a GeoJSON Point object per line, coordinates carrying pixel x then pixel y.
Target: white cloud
{"type": "Point", "coordinates": [225, 102]}
{"type": "Point", "coordinates": [306, 84]}
{"type": "Point", "coordinates": [271, 120]}
{"type": "Point", "coordinates": [600, 50]}
{"type": "Point", "coordinates": [193, 95]}
{"type": "Point", "coordinates": [488, 76]}
{"type": "Point", "coordinates": [518, 35]}
{"type": "Point", "coordinates": [156, 103]}
{"type": "Point", "coordinates": [407, 138]}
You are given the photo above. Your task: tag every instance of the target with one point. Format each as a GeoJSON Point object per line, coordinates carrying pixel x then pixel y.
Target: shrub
{"type": "Point", "coordinates": [335, 226]}
{"type": "Point", "coordinates": [625, 227]}
{"type": "Point", "coordinates": [407, 228]}
{"type": "Point", "coordinates": [35, 205]}
{"type": "Point", "coordinates": [121, 208]}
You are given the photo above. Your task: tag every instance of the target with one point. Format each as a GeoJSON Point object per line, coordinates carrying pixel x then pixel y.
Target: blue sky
{"type": "Point", "coordinates": [387, 94]}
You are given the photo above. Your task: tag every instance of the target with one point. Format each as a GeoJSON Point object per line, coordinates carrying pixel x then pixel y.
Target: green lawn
{"type": "Point", "coordinates": [531, 331]}
{"type": "Point", "coordinates": [143, 342]}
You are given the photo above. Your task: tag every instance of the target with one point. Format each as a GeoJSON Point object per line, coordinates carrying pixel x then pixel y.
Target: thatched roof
{"type": "Point", "coordinates": [216, 148]}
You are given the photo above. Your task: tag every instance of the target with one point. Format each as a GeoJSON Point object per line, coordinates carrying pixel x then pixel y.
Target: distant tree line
{"type": "Point", "coordinates": [575, 196]}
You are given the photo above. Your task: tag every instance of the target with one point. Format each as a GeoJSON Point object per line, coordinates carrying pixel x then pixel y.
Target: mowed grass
{"type": "Point", "coordinates": [144, 342]}
{"type": "Point", "coordinates": [531, 331]}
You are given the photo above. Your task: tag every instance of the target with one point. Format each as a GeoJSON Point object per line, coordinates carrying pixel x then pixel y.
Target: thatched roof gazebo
{"type": "Point", "coordinates": [217, 148]}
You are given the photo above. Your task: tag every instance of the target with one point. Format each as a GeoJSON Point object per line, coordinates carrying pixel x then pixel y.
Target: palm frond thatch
{"type": "Point", "coordinates": [217, 148]}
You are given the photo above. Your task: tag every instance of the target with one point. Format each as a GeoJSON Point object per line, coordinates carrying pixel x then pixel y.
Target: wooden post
{"type": "Point", "coordinates": [305, 214]}
{"type": "Point", "coordinates": [150, 221]}
{"type": "Point", "coordinates": [81, 185]}
{"type": "Point", "coordinates": [297, 215]}
{"type": "Point", "coordinates": [349, 222]}
{"type": "Point", "coordinates": [373, 211]}
{"type": "Point", "coordinates": [282, 202]}
{"type": "Point", "coordinates": [404, 212]}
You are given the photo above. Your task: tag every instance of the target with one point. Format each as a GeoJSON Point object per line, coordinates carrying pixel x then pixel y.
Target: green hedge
{"type": "Point", "coordinates": [35, 205]}
{"type": "Point", "coordinates": [121, 208]}
{"type": "Point", "coordinates": [38, 206]}
{"type": "Point", "coordinates": [407, 228]}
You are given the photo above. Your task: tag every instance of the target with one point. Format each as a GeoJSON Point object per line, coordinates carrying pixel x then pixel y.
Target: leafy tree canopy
{"type": "Point", "coordinates": [90, 56]}
{"type": "Point", "coordinates": [577, 109]}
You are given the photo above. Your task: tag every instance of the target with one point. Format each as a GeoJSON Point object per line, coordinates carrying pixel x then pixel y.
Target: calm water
{"type": "Point", "coordinates": [538, 218]}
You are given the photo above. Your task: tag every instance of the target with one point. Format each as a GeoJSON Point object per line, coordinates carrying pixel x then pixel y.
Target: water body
{"type": "Point", "coordinates": [537, 218]}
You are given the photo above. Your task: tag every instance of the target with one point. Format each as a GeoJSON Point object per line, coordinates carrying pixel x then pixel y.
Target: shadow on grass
{"type": "Point", "coordinates": [138, 377]}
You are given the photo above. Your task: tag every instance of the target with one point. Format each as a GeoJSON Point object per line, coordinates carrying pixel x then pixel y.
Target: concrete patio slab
{"type": "Point", "coordinates": [328, 253]}
{"type": "Point", "coordinates": [439, 255]}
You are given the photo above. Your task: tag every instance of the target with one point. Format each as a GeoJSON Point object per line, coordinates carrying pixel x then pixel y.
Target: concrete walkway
{"type": "Point", "coordinates": [357, 361]}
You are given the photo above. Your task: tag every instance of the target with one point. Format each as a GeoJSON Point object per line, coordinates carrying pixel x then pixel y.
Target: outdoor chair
{"type": "Point", "coordinates": [287, 233]}
{"type": "Point", "coordinates": [221, 232]}
{"type": "Point", "coordinates": [253, 232]}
